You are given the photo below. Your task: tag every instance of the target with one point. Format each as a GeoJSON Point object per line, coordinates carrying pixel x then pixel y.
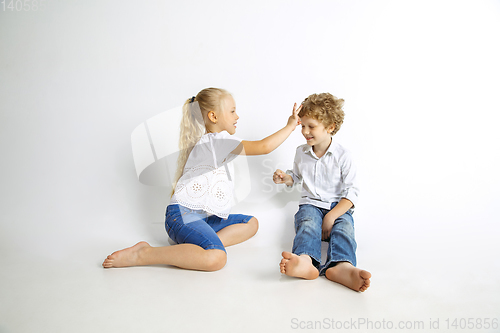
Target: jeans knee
{"type": "Point", "coordinates": [307, 225]}
{"type": "Point", "coordinates": [345, 228]}
{"type": "Point", "coordinates": [215, 260]}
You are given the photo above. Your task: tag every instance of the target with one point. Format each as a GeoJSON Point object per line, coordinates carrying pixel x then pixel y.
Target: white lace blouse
{"type": "Point", "coordinates": [207, 182]}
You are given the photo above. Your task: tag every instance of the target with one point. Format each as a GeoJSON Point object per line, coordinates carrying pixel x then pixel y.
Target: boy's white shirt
{"type": "Point", "coordinates": [207, 180]}
{"type": "Point", "coordinates": [327, 179]}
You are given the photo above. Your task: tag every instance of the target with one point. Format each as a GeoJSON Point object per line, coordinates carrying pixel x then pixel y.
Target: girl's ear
{"type": "Point", "coordinates": [212, 117]}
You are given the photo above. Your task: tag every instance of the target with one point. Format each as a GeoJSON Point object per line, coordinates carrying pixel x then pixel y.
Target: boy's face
{"type": "Point", "coordinates": [315, 132]}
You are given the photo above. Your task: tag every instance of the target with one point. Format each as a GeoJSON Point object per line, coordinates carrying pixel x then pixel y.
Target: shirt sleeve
{"type": "Point", "coordinates": [295, 172]}
{"type": "Point", "coordinates": [223, 144]}
{"type": "Point", "coordinates": [348, 173]}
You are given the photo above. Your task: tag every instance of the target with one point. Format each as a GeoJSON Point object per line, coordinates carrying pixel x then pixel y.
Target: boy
{"type": "Point", "coordinates": [329, 194]}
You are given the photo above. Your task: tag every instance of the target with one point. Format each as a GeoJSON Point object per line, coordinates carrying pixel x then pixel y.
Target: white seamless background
{"type": "Point", "coordinates": [420, 83]}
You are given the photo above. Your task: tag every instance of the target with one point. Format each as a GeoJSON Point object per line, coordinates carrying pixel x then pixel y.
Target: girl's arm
{"type": "Point", "coordinates": [267, 145]}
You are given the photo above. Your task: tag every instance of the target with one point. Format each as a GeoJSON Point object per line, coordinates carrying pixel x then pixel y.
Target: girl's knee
{"type": "Point", "coordinates": [215, 260]}
{"type": "Point", "coordinates": [253, 225]}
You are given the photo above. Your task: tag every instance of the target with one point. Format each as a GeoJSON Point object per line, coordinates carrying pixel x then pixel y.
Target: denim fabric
{"type": "Point", "coordinates": [308, 227]}
{"type": "Point", "coordinates": [185, 225]}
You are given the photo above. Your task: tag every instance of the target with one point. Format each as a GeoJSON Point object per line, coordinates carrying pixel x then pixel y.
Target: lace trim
{"type": "Point", "coordinates": [206, 188]}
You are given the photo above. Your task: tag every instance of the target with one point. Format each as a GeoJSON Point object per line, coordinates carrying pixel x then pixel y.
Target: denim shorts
{"type": "Point", "coordinates": [185, 225]}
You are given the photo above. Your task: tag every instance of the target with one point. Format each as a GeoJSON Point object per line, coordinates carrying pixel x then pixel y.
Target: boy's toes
{"type": "Point", "coordinates": [365, 275]}
{"type": "Point", "coordinates": [287, 255]}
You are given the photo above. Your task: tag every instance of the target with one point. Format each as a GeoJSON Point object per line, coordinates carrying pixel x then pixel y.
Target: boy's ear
{"type": "Point", "coordinates": [212, 116]}
{"type": "Point", "coordinates": [330, 128]}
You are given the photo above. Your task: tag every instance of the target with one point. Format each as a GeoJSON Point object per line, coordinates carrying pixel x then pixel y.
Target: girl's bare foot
{"type": "Point", "coordinates": [126, 257]}
{"type": "Point", "coordinates": [348, 275]}
{"type": "Point", "coordinates": [298, 266]}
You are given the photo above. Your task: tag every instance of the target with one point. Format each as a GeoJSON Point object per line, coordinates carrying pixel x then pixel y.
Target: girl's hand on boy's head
{"type": "Point", "coordinates": [294, 119]}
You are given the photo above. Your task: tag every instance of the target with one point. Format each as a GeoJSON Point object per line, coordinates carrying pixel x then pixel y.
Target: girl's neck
{"type": "Point", "coordinates": [213, 129]}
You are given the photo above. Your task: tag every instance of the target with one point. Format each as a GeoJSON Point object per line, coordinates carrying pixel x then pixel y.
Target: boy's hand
{"type": "Point", "coordinates": [294, 119]}
{"type": "Point", "coordinates": [340, 209]}
{"type": "Point", "coordinates": [279, 177]}
{"type": "Point", "coordinates": [328, 222]}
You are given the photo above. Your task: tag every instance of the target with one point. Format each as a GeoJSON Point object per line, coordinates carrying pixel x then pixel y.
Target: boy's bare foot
{"type": "Point", "coordinates": [348, 275]}
{"type": "Point", "coordinates": [298, 266]}
{"type": "Point", "coordinates": [126, 257]}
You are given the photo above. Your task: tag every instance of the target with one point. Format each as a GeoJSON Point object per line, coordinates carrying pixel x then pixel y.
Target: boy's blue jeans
{"type": "Point", "coordinates": [308, 230]}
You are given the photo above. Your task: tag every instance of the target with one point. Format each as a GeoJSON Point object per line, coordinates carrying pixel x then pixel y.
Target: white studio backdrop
{"type": "Point", "coordinates": [419, 79]}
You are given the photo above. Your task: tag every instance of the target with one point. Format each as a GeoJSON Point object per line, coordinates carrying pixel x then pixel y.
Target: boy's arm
{"type": "Point", "coordinates": [281, 177]}
{"type": "Point", "coordinates": [349, 195]}
{"type": "Point", "coordinates": [273, 141]}
{"type": "Point", "coordinates": [290, 177]}
{"type": "Point", "coordinates": [340, 209]}
{"type": "Point", "coordinates": [349, 179]}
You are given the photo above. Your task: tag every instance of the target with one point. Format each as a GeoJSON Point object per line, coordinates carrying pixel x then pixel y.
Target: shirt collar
{"type": "Point", "coordinates": [330, 150]}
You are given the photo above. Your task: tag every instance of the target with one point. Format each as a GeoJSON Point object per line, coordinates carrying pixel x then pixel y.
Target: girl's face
{"type": "Point", "coordinates": [315, 132]}
{"type": "Point", "coordinates": [227, 116]}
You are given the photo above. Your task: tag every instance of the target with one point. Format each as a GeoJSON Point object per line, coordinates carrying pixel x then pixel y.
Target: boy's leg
{"type": "Point", "coordinates": [306, 251]}
{"type": "Point", "coordinates": [340, 263]}
{"type": "Point", "coordinates": [342, 244]}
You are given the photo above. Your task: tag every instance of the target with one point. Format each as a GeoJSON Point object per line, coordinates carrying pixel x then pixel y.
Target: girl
{"type": "Point", "coordinates": [197, 217]}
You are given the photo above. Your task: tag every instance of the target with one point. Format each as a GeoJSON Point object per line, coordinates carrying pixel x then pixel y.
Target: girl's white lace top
{"type": "Point", "coordinates": [207, 182]}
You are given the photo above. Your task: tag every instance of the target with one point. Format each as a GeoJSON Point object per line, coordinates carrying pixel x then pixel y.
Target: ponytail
{"type": "Point", "coordinates": [192, 129]}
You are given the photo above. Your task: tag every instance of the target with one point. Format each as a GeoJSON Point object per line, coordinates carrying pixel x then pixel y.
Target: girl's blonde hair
{"type": "Point", "coordinates": [192, 128]}
{"type": "Point", "coordinates": [325, 108]}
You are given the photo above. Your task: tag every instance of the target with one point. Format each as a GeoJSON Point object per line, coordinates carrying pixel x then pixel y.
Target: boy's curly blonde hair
{"type": "Point", "coordinates": [325, 108]}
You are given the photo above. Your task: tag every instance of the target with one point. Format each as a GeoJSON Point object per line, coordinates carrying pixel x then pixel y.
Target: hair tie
{"type": "Point", "coordinates": [192, 99]}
